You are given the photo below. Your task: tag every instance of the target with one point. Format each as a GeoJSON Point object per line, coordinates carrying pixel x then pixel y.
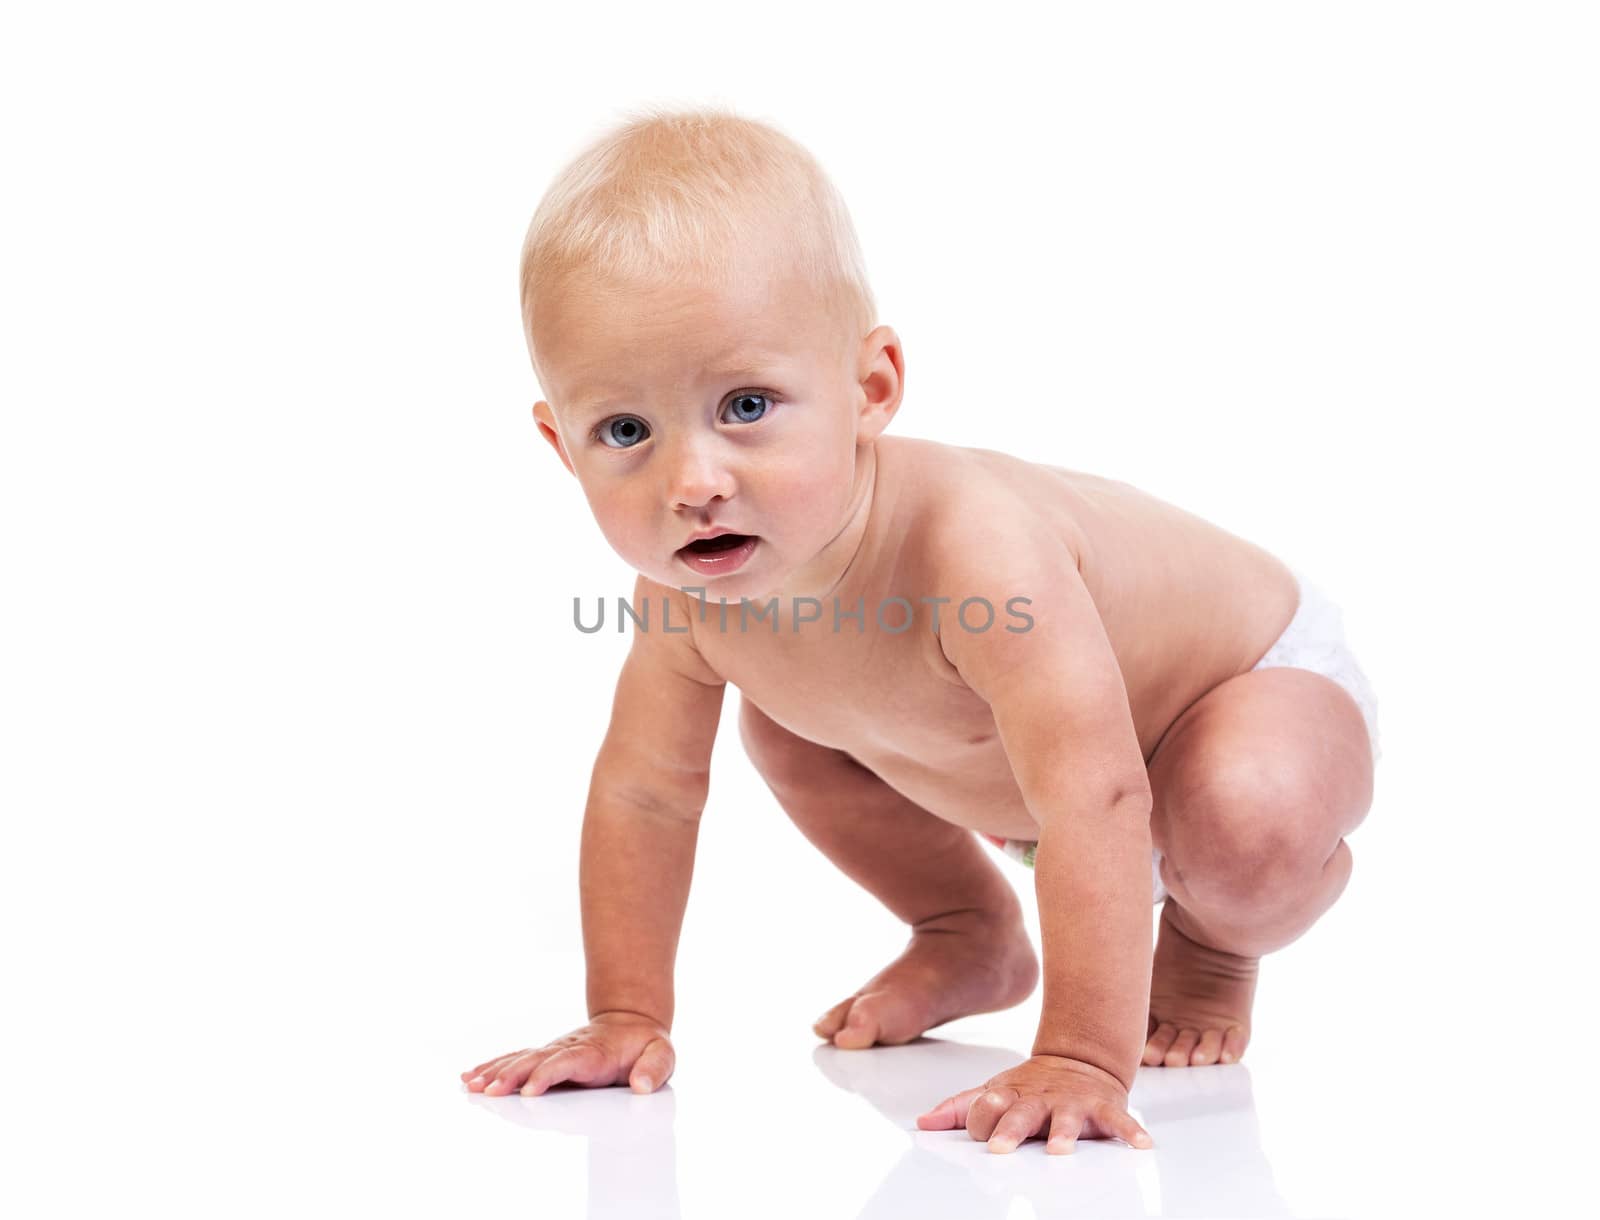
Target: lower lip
{"type": "Point", "coordinates": [718, 563]}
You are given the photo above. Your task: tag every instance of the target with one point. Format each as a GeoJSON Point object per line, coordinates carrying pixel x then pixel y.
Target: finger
{"type": "Point", "coordinates": [1065, 1124]}
{"type": "Point", "coordinates": [485, 1069]}
{"type": "Point", "coordinates": [653, 1067]}
{"type": "Point", "coordinates": [1210, 1046]}
{"type": "Point", "coordinates": [1178, 1054]}
{"type": "Point", "coordinates": [949, 1113]}
{"type": "Point", "coordinates": [1233, 1040]}
{"type": "Point", "coordinates": [988, 1109]}
{"type": "Point", "coordinates": [1114, 1120]}
{"type": "Point", "coordinates": [512, 1073]}
{"type": "Point", "coordinates": [579, 1064]}
{"type": "Point", "coordinates": [1018, 1123]}
{"type": "Point", "coordinates": [550, 1070]}
{"type": "Point", "coordinates": [1159, 1041]}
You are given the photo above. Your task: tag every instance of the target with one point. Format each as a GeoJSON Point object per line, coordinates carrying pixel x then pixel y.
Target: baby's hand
{"type": "Point", "coordinates": [614, 1047]}
{"type": "Point", "coordinates": [1048, 1095]}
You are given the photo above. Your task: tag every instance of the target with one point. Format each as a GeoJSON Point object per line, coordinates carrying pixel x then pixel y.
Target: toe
{"type": "Point", "coordinates": [1159, 1041]}
{"type": "Point", "coordinates": [860, 1028]}
{"type": "Point", "coordinates": [1210, 1046]}
{"type": "Point", "coordinates": [1178, 1053]}
{"type": "Point", "coordinates": [1233, 1040]}
{"type": "Point", "coordinates": [830, 1022]}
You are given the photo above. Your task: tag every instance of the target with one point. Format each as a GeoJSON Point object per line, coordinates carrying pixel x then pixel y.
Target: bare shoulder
{"type": "Point", "coordinates": [979, 515]}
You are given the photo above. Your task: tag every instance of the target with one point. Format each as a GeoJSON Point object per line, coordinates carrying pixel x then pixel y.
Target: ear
{"type": "Point", "coordinates": [881, 371]}
{"type": "Point", "coordinates": [545, 418]}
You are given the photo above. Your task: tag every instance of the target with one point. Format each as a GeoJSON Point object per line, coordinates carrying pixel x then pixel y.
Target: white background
{"type": "Point", "coordinates": [297, 731]}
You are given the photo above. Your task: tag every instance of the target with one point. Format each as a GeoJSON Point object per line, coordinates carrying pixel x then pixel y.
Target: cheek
{"type": "Point", "coordinates": [808, 492]}
{"type": "Point", "coordinates": [812, 471]}
{"type": "Point", "coordinates": [617, 517]}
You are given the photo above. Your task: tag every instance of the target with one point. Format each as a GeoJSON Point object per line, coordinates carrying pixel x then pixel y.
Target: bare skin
{"type": "Point", "coordinates": [876, 739]}
{"type": "Point", "coordinates": [967, 967]}
{"type": "Point", "coordinates": [1185, 605]}
{"type": "Point", "coordinates": [1180, 627]}
{"type": "Point", "coordinates": [1199, 1000]}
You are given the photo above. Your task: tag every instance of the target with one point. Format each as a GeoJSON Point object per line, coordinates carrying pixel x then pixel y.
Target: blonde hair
{"type": "Point", "coordinates": [669, 193]}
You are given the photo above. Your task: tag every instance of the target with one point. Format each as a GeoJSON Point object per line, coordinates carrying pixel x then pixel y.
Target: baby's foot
{"type": "Point", "coordinates": [1199, 1000]}
{"type": "Point", "coordinates": [968, 964]}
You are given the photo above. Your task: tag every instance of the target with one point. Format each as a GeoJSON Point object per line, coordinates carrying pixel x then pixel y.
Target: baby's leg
{"type": "Point", "coordinates": [969, 949]}
{"type": "Point", "coordinates": [1254, 788]}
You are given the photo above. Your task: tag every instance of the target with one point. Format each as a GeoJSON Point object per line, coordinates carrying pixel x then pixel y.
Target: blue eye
{"type": "Point", "coordinates": [621, 432]}
{"type": "Point", "coordinates": [735, 405]}
{"type": "Point", "coordinates": [629, 431]}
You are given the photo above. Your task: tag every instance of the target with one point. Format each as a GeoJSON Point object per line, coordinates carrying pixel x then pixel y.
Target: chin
{"type": "Point", "coordinates": [729, 588]}
{"type": "Point", "coordinates": [733, 588]}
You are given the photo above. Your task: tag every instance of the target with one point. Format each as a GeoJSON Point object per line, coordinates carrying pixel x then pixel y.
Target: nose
{"type": "Point", "coordinates": [698, 473]}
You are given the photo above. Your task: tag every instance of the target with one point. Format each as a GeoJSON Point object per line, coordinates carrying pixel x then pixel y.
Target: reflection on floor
{"type": "Point", "coordinates": [1208, 1158]}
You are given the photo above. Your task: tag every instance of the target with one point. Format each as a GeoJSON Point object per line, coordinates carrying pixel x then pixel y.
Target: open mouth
{"type": "Point", "coordinates": [722, 542]}
{"type": "Point", "coordinates": [713, 557]}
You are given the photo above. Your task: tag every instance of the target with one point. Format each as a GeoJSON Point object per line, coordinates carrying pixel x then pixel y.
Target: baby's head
{"type": "Point", "coordinates": [700, 322]}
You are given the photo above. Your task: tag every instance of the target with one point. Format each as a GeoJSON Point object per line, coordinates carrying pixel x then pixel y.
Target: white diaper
{"type": "Point", "coordinates": [1314, 640]}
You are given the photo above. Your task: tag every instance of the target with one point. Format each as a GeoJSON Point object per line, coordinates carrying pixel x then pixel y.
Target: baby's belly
{"type": "Point", "coordinates": [974, 788]}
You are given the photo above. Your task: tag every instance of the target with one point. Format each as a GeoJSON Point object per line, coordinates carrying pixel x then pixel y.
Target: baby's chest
{"type": "Point", "coordinates": [932, 740]}
{"type": "Point", "coordinates": [874, 695]}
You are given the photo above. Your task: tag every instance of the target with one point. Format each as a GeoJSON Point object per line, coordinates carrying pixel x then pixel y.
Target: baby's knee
{"type": "Point", "coordinates": [1251, 834]}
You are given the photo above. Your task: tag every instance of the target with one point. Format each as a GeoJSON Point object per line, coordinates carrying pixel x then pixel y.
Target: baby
{"type": "Point", "coordinates": [934, 645]}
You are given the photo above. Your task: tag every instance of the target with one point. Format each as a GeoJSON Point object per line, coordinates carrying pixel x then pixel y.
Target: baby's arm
{"type": "Point", "coordinates": [1061, 710]}
{"type": "Point", "coordinates": [646, 794]}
